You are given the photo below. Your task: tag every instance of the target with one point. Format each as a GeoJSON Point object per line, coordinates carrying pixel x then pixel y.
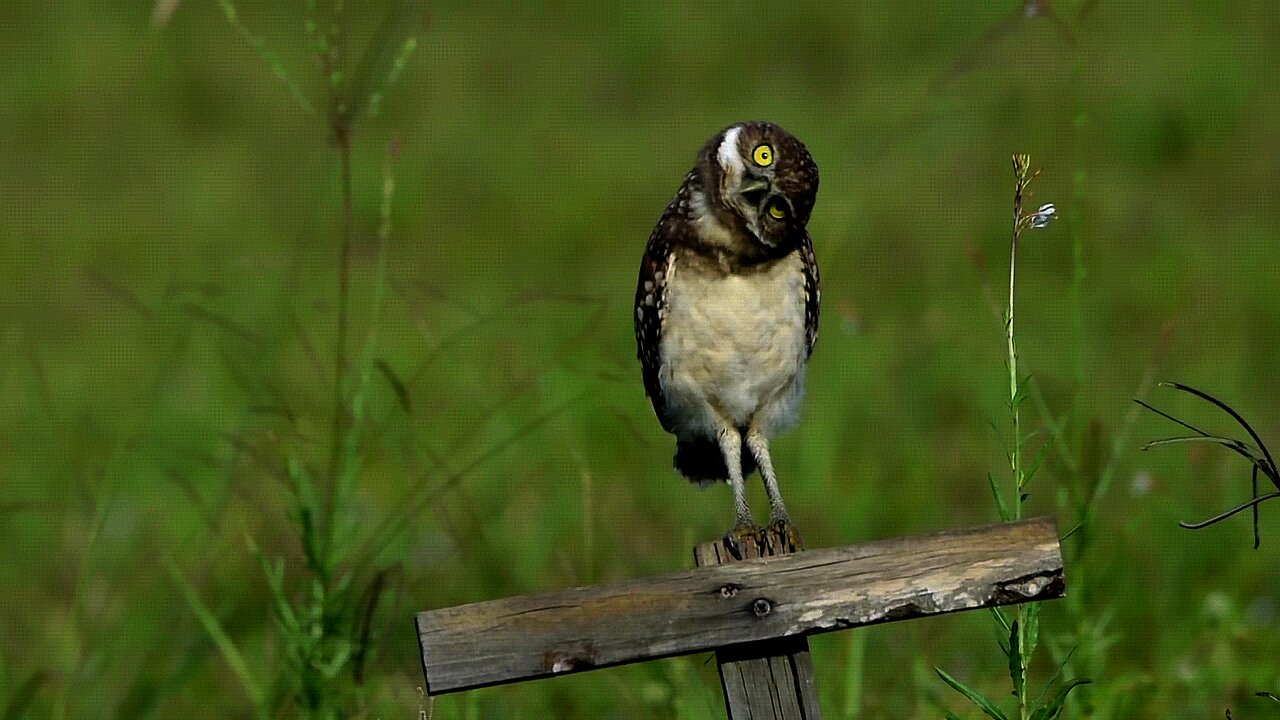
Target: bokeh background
{"type": "Point", "coordinates": [169, 249]}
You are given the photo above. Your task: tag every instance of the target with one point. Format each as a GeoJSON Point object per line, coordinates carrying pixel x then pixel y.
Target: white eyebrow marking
{"type": "Point", "coordinates": [728, 152]}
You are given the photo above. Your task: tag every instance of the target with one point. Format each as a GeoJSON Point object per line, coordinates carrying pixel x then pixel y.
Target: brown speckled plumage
{"type": "Point", "coordinates": [726, 305]}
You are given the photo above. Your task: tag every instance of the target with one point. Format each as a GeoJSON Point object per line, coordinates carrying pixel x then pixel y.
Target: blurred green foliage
{"type": "Point", "coordinates": [169, 244]}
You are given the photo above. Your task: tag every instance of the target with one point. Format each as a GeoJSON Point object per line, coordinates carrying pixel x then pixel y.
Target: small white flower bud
{"type": "Point", "coordinates": [1042, 217]}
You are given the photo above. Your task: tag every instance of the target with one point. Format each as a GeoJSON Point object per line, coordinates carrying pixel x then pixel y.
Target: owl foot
{"type": "Point", "coordinates": [782, 537]}
{"type": "Point", "coordinates": [741, 537]}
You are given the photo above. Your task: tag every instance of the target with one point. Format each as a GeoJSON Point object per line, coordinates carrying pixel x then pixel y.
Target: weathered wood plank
{"type": "Point", "coordinates": [534, 636]}
{"type": "Point", "coordinates": [769, 679]}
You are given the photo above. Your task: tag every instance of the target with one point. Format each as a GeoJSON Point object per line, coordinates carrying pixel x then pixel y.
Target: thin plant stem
{"type": "Point", "coordinates": [341, 128]}
{"type": "Point", "coordinates": [320, 659]}
{"type": "Point", "coordinates": [1023, 632]}
{"type": "Point", "coordinates": [341, 414]}
{"type": "Point", "coordinates": [1021, 167]}
{"type": "Point", "coordinates": [1015, 455]}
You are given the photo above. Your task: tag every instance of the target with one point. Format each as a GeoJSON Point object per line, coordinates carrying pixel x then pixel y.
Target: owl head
{"type": "Point", "coordinates": [762, 176]}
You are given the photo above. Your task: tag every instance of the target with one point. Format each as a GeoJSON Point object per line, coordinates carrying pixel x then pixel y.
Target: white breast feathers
{"type": "Point", "coordinates": [733, 347]}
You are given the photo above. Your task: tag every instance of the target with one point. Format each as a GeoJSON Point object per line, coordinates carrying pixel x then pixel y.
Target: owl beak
{"type": "Point", "coordinates": [753, 189]}
{"type": "Point", "coordinates": [756, 192]}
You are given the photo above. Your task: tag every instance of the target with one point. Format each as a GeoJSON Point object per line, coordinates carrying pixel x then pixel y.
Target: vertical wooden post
{"type": "Point", "coordinates": [768, 679]}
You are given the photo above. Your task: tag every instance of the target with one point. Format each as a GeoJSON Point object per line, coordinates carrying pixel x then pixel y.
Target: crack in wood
{"type": "Point", "coordinates": [542, 609]}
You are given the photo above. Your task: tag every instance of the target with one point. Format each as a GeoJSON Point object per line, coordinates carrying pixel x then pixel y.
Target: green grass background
{"type": "Point", "coordinates": [168, 247]}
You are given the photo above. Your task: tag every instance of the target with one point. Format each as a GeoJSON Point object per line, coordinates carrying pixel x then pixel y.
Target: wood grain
{"type": "Point", "coordinates": [708, 608]}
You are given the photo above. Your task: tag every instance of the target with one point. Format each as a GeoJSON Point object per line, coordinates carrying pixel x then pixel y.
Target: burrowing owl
{"type": "Point", "coordinates": [727, 308]}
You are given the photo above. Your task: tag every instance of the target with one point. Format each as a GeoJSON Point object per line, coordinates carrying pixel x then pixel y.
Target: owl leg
{"type": "Point", "coordinates": [731, 448]}
{"type": "Point", "coordinates": [759, 447]}
{"type": "Point", "coordinates": [744, 529]}
{"type": "Point", "coordinates": [779, 520]}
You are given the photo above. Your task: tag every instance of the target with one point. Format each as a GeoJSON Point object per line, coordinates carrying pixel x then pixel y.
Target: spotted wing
{"type": "Point", "coordinates": [651, 309]}
{"type": "Point", "coordinates": [812, 293]}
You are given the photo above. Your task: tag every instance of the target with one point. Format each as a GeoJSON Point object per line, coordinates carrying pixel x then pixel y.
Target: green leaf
{"type": "Point", "coordinates": [1032, 436]}
{"type": "Point", "coordinates": [1031, 632]}
{"type": "Point", "coordinates": [1056, 673]}
{"type": "Point", "coordinates": [1017, 673]}
{"type": "Point", "coordinates": [1021, 394]}
{"type": "Point", "coordinates": [1053, 708]}
{"type": "Point", "coordinates": [1039, 459]}
{"type": "Point", "coordinates": [1003, 508]}
{"type": "Point", "coordinates": [978, 699]}
{"type": "Point", "coordinates": [1000, 618]}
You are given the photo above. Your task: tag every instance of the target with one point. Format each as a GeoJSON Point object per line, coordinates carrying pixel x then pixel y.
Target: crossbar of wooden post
{"type": "Point", "coordinates": [714, 607]}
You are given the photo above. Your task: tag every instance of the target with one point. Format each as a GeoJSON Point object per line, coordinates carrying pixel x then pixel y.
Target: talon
{"type": "Point", "coordinates": [734, 539]}
{"type": "Point", "coordinates": [732, 545]}
{"type": "Point", "coordinates": [782, 530]}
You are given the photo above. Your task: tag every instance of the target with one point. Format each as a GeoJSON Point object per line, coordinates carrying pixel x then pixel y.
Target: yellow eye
{"type": "Point", "coordinates": [763, 155]}
{"type": "Point", "coordinates": [777, 211]}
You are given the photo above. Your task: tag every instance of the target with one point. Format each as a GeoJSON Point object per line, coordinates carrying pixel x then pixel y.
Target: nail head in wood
{"type": "Point", "coordinates": [761, 607]}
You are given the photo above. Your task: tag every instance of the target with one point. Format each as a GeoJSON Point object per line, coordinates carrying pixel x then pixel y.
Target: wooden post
{"type": "Point", "coordinates": [730, 608]}
{"type": "Point", "coordinates": [767, 679]}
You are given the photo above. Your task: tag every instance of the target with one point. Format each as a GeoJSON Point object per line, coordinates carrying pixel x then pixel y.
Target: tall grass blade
{"type": "Point", "coordinates": [26, 694]}
{"type": "Point", "coordinates": [1233, 511]}
{"type": "Point", "coordinates": [213, 627]}
{"type": "Point", "coordinates": [1253, 492]}
{"type": "Point", "coordinates": [398, 388]}
{"type": "Point", "coordinates": [1074, 529]}
{"type": "Point", "coordinates": [1169, 417]}
{"type": "Point", "coordinates": [1241, 448]}
{"type": "Point", "coordinates": [855, 664]}
{"type": "Point", "coordinates": [1235, 416]}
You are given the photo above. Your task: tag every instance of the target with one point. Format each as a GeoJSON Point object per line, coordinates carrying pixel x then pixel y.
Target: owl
{"type": "Point", "coordinates": [726, 311]}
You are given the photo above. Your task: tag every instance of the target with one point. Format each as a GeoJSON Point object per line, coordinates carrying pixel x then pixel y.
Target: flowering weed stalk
{"type": "Point", "coordinates": [325, 610]}
{"type": "Point", "coordinates": [1018, 637]}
